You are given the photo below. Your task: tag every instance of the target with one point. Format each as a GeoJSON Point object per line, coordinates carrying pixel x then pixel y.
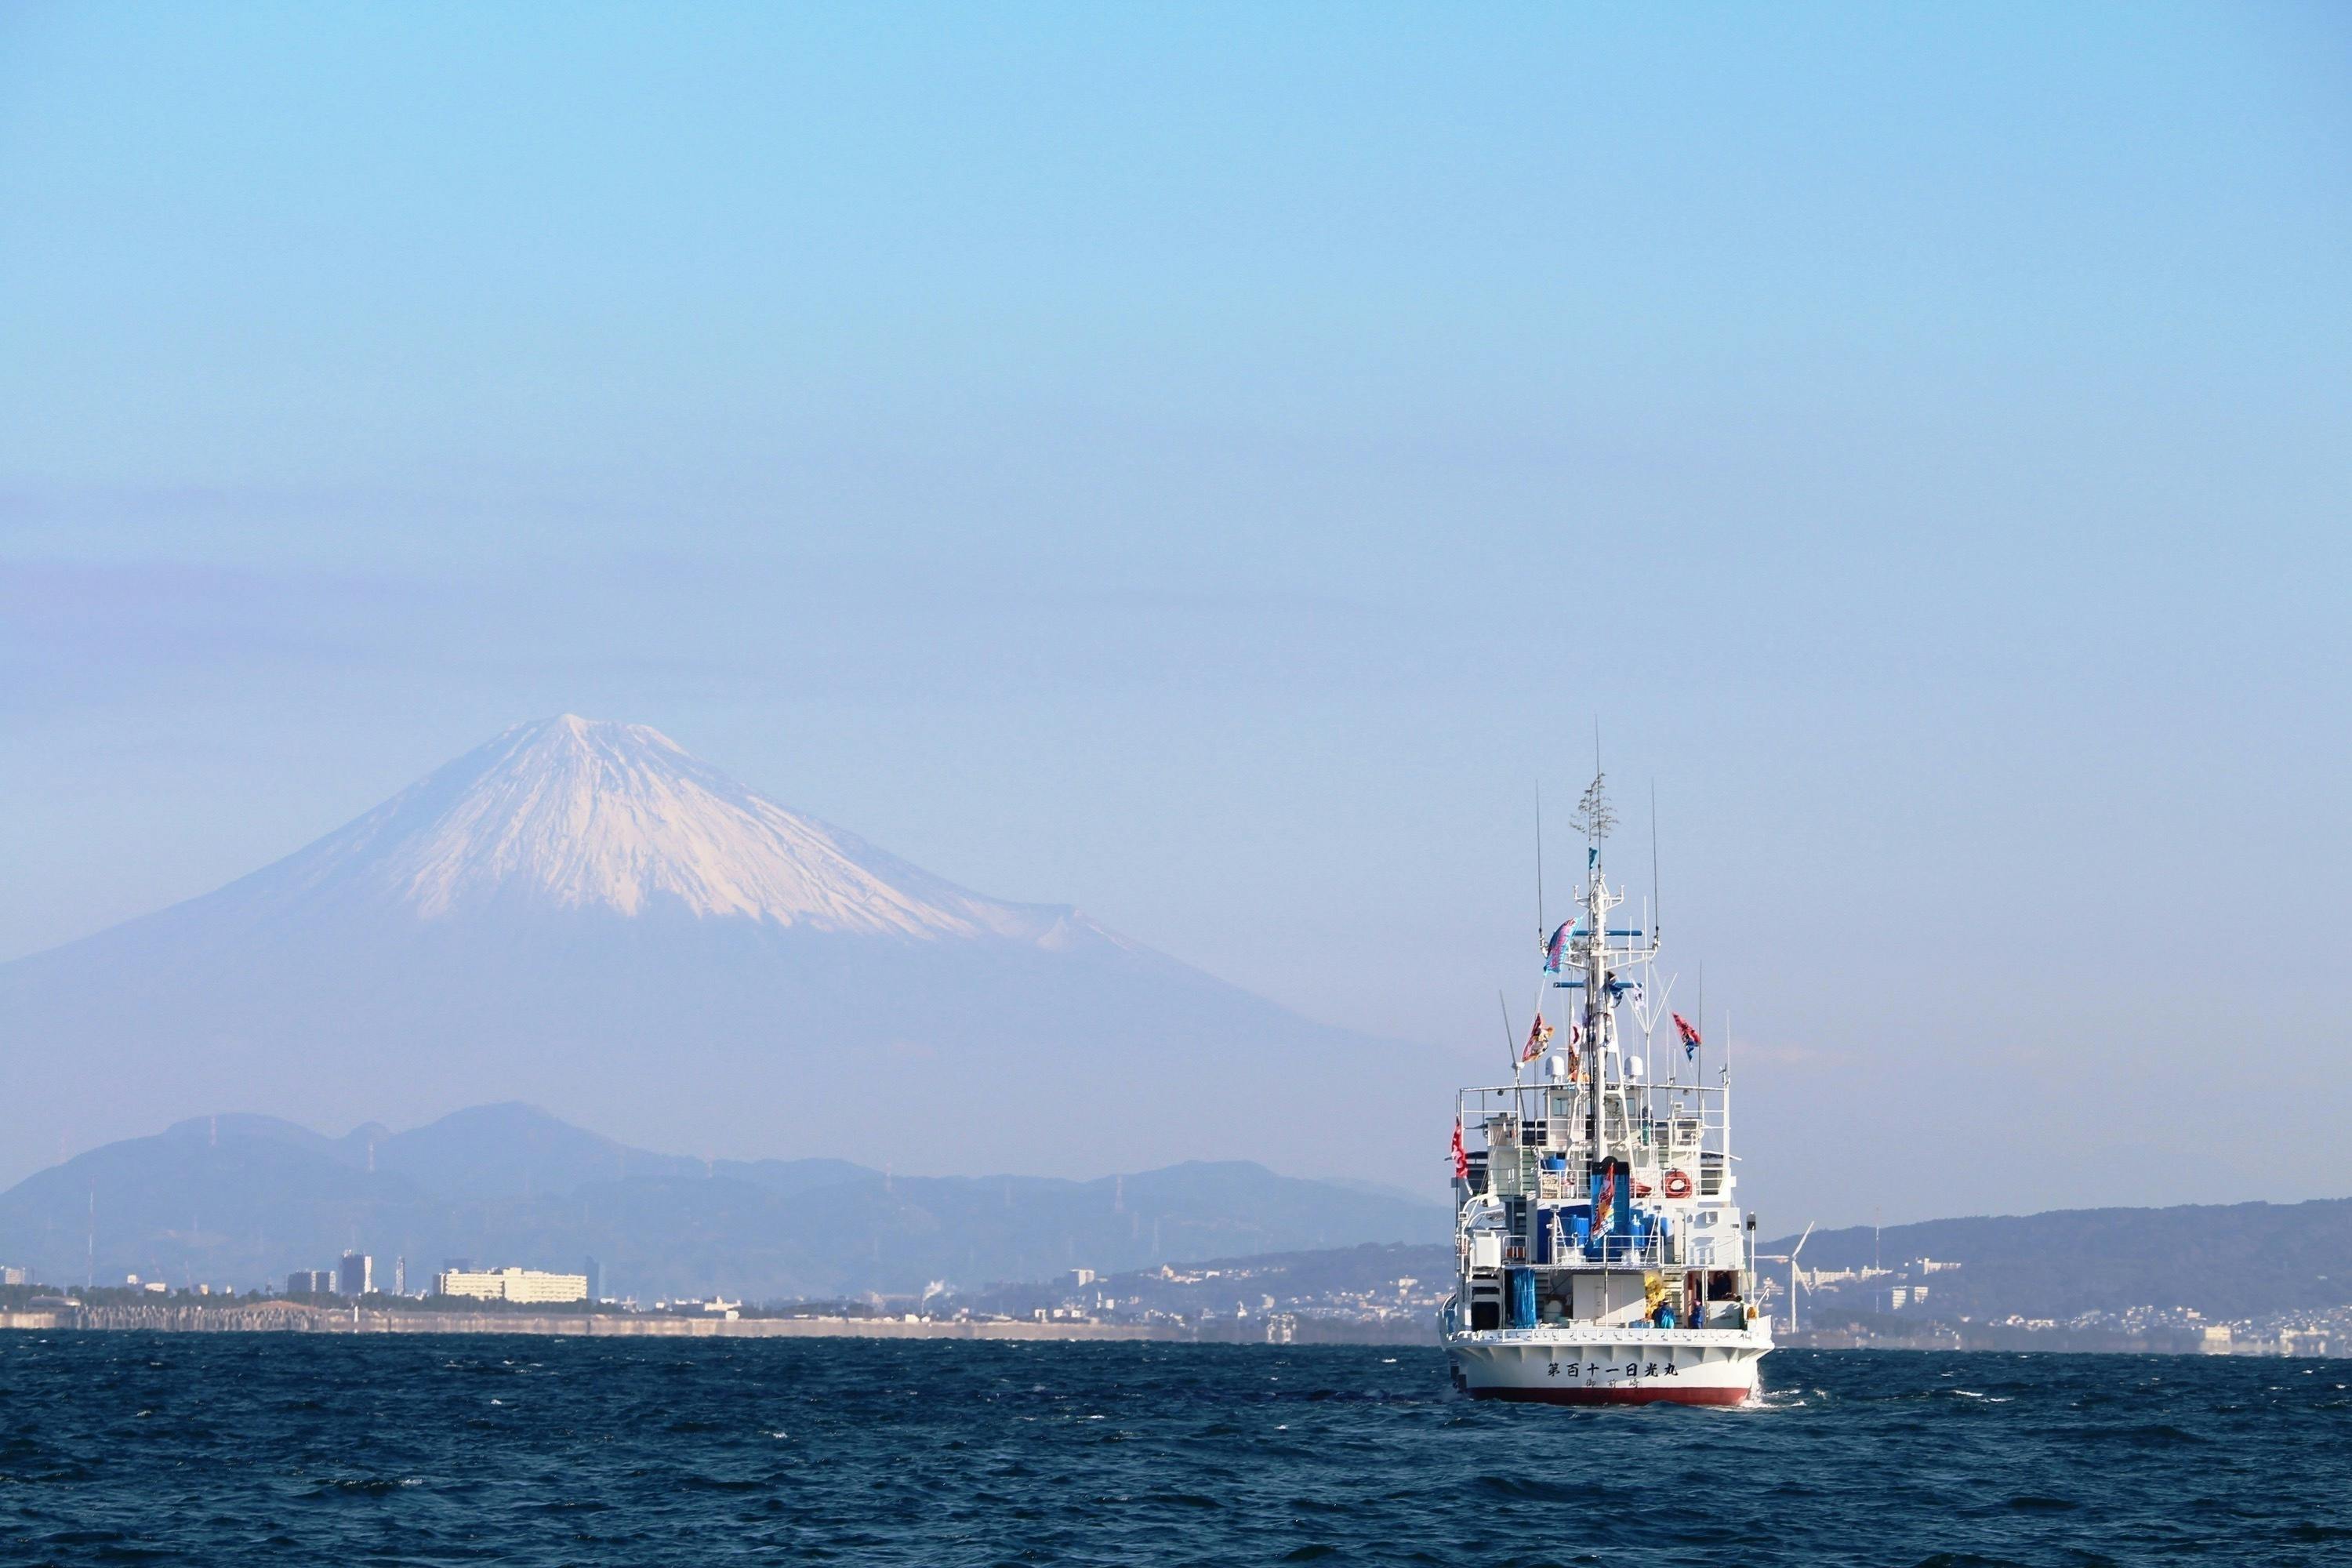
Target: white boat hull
{"type": "Point", "coordinates": [1591, 1364]}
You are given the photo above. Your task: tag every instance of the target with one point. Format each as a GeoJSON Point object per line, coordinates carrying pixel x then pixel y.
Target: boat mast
{"type": "Point", "coordinates": [1592, 816]}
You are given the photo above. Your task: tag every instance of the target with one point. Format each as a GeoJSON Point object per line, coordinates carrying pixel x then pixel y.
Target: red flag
{"type": "Point", "coordinates": [1537, 1037]}
{"type": "Point", "coordinates": [1460, 1158]}
{"type": "Point", "coordinates": [1689, 1035]}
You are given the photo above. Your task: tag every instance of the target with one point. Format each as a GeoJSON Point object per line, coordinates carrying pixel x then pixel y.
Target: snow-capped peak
{"type": "Point", "coordinates": [594, 815]}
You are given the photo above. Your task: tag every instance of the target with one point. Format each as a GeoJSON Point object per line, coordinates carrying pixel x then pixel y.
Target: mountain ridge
{"type": "Point", "coordinates": [240, 1200]}
{"type": "Point", "coordinates": [580, 914]}
{"type": "Point", "coordinates": [597, 815]}
{"type": "Point", "coordinates": [2221, 1259]}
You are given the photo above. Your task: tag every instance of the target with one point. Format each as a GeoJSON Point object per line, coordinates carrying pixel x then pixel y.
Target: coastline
{"type": "Point", "coordinates": [287, 1318]}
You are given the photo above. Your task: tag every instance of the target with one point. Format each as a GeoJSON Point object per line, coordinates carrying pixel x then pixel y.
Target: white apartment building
{"type": "Point", "coordinates": [511, 1285]}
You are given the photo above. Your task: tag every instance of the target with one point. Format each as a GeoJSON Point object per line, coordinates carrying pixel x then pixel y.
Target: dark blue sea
{"type": "Point", "coordinates": [311, 1448]}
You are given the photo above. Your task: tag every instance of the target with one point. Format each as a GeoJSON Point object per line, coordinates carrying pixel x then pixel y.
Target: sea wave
{"type": "Point", "coordinates": [893, 1453]}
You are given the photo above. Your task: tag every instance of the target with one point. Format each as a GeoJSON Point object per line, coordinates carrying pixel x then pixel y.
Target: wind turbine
{"type": "Point", "coordinates": [1790, 1258]}
{"type": "Point", "coordinates": [1792, 1274]}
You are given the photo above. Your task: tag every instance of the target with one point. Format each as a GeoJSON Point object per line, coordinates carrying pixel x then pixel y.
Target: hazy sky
{"type": "Point", "coordinates": [1206, 465]}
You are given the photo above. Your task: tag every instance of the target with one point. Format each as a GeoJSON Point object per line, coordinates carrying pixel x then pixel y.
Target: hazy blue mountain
{"type": "Point", "coordinates": [242, 1199]}
{"type": "Point", "coordinates": [252, 1195]}
{"type": "Point", "coordinates": [238, 1199]}
{"type": "Point", "coordinates": [514, 1149]}
{"type": "Point", "coordinates": [2223, 1260]}
{"type": "Point", "coordinates": [581, 915]}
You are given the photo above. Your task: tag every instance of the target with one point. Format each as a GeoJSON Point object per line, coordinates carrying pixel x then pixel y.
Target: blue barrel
{"type": "Point", "coordinates": [1519, 1293]}
{"type": "Point", "coordinates": [1547, 1221]}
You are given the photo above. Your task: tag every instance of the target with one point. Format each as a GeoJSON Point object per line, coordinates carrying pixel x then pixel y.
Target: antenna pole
{"type": "Point", "coordinates": [1510, 1047]}
{"type": "Point", "coordinates": [1540, 932]}
{"type": "Point", "coordinates": [1657, 904]}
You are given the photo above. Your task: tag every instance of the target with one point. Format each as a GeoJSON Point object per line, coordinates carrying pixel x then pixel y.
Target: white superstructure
{"type": "Point", "coordinates": [1601, 1253]}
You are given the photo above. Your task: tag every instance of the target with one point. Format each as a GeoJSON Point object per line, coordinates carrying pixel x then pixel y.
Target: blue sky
{"type": "Point", "coordinates": [1207, 464]}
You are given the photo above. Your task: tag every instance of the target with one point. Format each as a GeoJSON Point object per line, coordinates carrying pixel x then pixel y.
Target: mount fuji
{"type": "Point", "coordinates": [580, 914]}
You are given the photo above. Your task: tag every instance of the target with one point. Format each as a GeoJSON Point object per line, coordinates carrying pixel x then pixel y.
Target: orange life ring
{"type": "Point", "coordinates": [1677, 1184]}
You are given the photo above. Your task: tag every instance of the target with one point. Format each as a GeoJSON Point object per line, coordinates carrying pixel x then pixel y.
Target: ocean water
{"type": "Point", "coordinates": [264, 1448]}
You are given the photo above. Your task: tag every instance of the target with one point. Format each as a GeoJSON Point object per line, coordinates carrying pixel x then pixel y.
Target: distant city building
{"type": "Point", "coordinates": [310, 1282]}
{"type": "Point", "coordinates": [14, 1277]}
{"type": "Point", "coordinates": [511, 1285]}
{"type": "Point", "coordinates": [357, 1275]}
{"type": "Point", "coordinates": [400, 1274]}
{"type": "Point", "coordinates": [594, 1273]}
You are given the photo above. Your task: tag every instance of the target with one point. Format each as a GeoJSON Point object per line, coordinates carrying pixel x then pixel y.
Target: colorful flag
{"type": "Point", "coordinates": [1556, 946]}
{"type": "Point", "coordinates": [1607, 1197]}
{"type": "Point", "coordinates": [1537, 1037]}
{"type": "Point", "coordinates": [1592, 856]}
{"type": "Point", "coordinates": [1461, 1157]}
{"type": "Point", "coordinates": [1689, 1035]}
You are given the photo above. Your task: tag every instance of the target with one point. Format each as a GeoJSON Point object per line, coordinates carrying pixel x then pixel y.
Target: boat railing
{"type": "Point", "coordinates": [1643, 1104]}
{"type": "Point", "coordinates": [1652, 1246]}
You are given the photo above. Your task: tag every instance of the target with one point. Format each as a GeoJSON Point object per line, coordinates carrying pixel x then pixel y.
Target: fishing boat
{"type": "Point", "coordinates": [1601, 1253]}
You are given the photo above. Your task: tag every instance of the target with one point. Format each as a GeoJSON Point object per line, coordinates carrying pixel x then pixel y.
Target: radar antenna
{"type": "Point", "coordinates": [1593, 817]}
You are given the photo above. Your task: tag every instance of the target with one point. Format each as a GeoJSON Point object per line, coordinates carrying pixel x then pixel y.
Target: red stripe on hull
{"type": "Point", "coordinates": [1695, 1395]}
